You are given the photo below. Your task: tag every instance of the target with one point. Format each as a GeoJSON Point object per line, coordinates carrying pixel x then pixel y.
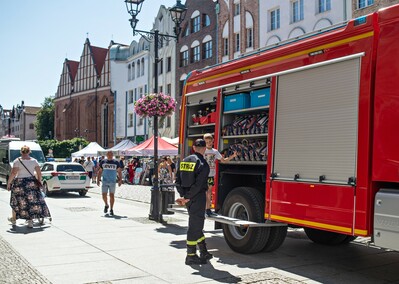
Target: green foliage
{"type": "Point", "coordinates": [63, 149]}
{"type": "Point", "coordinates": [45, 120]}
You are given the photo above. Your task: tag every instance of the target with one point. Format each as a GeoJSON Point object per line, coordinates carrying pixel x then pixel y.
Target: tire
{"type": "Point", "coordinates": [46, 191]}
{"type": "Point", "coordinates": [276, 238]}
{"type": "Point", "coordinates": [246, 204]}
{"type": "Point", "coordinates": [83, 192]}
{"type": "Point", "coordinates": [325, 237]}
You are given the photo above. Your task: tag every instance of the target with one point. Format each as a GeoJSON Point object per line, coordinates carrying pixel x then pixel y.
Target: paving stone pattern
{"type": "Point", "coordinates": [15, 269]}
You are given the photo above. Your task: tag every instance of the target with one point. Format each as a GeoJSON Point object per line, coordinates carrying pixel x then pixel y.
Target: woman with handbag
{"type": "Point", "coordinates": [27, 201]}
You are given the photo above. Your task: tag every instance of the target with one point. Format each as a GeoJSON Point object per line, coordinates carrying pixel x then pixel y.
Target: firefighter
{"type": "Point", "coordinates": [192, 184]}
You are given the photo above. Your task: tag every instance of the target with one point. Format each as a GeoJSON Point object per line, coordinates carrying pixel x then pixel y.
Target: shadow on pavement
{"type": "Point", "coordinates": [208, 271]}
{"type": "Point", "coordinates": [65, 195]}
{"type": "Point", "coordinates": [172, 229]}
{"type": "Point", "coordinates": [117, 217]}
{"type": "Point", "coordinates": [23, 229]}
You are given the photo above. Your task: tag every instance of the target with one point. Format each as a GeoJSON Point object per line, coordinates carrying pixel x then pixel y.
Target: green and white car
{"type": "Point", "coordinates": [65, 177]}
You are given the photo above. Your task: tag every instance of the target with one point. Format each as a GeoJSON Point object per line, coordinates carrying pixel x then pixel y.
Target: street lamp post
{"type": "Point", "coordinates": [177, 13]}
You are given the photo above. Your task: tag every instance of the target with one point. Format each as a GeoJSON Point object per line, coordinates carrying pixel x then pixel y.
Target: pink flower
{"type": "Point", "coordinates": [155, 104]}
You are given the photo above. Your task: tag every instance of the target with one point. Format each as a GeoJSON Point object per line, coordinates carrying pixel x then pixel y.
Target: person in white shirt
{"type": "Point", "coordinates": [211, 155]}
{"type": "Point", "coordinates": [89, 167]}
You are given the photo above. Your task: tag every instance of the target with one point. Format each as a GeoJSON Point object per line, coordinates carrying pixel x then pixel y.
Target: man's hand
{"type": "Point", "coordinates": [182, 201]}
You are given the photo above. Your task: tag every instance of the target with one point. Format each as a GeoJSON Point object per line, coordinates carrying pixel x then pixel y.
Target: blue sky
{"type": "Point", "coordinates": [37, 35]}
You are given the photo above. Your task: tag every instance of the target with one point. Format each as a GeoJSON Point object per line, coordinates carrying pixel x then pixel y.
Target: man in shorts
{"type": "Point", "coordinates": [110, 171]}
{"type": "Point", "coordinates": [211, 155]}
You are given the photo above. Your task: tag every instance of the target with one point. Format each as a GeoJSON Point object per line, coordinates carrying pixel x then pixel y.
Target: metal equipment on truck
{"type": "Point", "coordinates": [315, 122]}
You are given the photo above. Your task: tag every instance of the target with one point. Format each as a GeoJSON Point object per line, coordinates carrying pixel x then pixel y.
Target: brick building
{"type": "Point", "coordinates": [364, 7]}
{"type": "Point", "coordinates": [84, 103]}
{"type": "Point", "coordinates": [238, 28]}
{"type": "Point", "coordinates": [197, 43]}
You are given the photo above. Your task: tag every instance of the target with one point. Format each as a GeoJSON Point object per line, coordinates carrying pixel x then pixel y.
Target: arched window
{"type": "Point", "coordinates": [133, 71]}
{"type": "Point", "coordinates": [129, 72]}
{"type": "Point", "coordinates": [142, 66]}
{"type": "Point", "coordinates": [206, 21]}
{"type": "Point", "coordinates": [138, 68]}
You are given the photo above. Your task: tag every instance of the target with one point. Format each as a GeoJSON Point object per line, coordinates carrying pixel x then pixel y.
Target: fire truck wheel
{"type": "Point", "coordinates": [246, 204]}
{"type": "Point", "coordinates": [276, 238]}
{"type": "Point", "coordinates": [325, 237]}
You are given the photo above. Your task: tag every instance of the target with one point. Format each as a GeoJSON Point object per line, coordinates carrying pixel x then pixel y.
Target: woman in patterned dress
{"type": "Point", "coordinates": [165, 172]}
{"type": "Point", "coordinates": [26, 200]}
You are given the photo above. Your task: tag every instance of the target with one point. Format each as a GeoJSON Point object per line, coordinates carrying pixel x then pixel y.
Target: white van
{"type": "Point", "coordinates": [10, 149]}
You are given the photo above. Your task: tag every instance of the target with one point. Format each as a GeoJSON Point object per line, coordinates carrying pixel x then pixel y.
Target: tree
{"type": "Point", "coordinates": [62, 149]}
{"type": "Point", "coordinates": [45, 120]}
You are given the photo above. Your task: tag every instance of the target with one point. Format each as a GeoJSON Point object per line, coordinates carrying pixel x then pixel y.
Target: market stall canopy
{"type": "Point", "coordinates": [173, 141]}
{"type": "Point", "coordinates": [147, 148]}
{"type": "Point", "coordinates": [119, 149]}
{"type": "Point", "coordinates": [88, 151]}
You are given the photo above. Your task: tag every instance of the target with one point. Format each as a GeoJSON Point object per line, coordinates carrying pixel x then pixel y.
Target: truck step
{"type": "Point", "coordinates": [227, 220]}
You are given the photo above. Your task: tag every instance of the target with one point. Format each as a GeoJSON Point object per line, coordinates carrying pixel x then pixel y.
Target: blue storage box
{"type": "Point", "coordinates": [260, 97]}
{"type": "Point", "coordinates": [236, 102]}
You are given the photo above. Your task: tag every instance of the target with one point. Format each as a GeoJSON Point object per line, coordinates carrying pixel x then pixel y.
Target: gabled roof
{"type": "Point", "coordinates": [73, 68]}
{"type": "Point", "coordinates": [99, 54]}
{"type": "Point", "coordinates": [32, 110]}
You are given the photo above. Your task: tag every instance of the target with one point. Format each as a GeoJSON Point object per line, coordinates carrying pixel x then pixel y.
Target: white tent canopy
{"type": "Point", "coordinates": [174, 141]}
{"type": "Point", "coordinates": [88, 151]}
{"type": "Point", "coordinates": [119, 149]}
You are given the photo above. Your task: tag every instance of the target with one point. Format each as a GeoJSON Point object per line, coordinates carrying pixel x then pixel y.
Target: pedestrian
{"type": "Point", "coordinates": [172, 167]}
{"type": "Point", "coordinates": [191, 180]}
{"type": "Point", "coordinates": [211, 155]}
{"type": "Point", "coordinates": [164, 172]}
{"type": "Point", "coordinates": [151, 167]}
{"type": "Point", "coordinates": [95, 169]}
{"type": "Point", "coordinates": [109, 171]}
{"type": "Point", "coordinates": [89, 167]}
{"type": "Point", "coordinates": [27, 201]}
{"type": "Point", "coordinates": [82, 160]}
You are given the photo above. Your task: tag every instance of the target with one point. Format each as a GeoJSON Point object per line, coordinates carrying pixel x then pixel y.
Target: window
{"type": "Point", "coordinates": [142, 66]}
{"type": "Point", "coordinates": [250, 37]}
{"type": "Point", "coordinates": [169, 89]}
{"type": "Point", "coordinates": [184, 58]}
{"type": "Point", "coordinates": [168, 121]}
{"type": "Point", "coordinates": [324, 5]}
{"type": "Point", "coordinates": [237, 42]}
{"type": "Point", "coordinates": [130, 97]}
{"type": "Point", "coordinates": [160, 89]}
{"type": "Point", "coordinates": [195, 54]}
{"type": "Point", "coordinates": [206, 21]}
{"type": "Point", "coordinates": [160, 67]}
{"type": "Point", "coordinates": [365, 3]}
{"type": "Point", "coordinates": [31, 126]}
{"type": "Point", "coordinates": [130, 120]}
{"type": "Point", "coordinates": [275, 19]}
{"type": "Point", "coordinates": [138, 68]}
{"type": "Point", "coordinates": [297, 11]}
{"type": "Point", "coordinates": [237, 9]}
{"type": "Point", "coordinates": [225, 46]}
{"type": "Point", "coordinates": [195, 24]}
{"type": "Point", "coordinates": [133, 71]}
{"type": "Point", "coordinates": [169, 64]}
{"type": "Point", "coordinates": [207, 49]}
{"type": "Point", "coordinates": [129, 72]}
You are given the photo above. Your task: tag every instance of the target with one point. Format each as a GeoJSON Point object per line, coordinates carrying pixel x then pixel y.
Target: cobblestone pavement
{"type": "Point", "coordinates": [15, 269]}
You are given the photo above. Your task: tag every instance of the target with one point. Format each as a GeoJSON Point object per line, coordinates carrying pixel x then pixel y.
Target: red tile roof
{"type": "Point", "coordinates": [73, 68]}
{"type": "Point", "coordinates": [99, 54]}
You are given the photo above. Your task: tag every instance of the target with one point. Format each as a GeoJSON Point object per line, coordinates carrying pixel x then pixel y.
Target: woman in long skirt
{"type": "Point", "coordinates": [27, 201]}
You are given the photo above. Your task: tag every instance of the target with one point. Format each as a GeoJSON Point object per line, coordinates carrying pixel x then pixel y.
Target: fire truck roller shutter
{"type": "Point", "coordinates": [316, 123]}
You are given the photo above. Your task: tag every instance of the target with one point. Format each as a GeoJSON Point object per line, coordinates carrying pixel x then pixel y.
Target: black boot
{"type": "Point", "coordinates": [192, 257]}
{"type": "Point", "coordinates": [204, 253]}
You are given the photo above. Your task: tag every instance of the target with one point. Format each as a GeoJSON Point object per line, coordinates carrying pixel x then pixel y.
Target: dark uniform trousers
{"type": "Point", "coordinates": [196, 209]}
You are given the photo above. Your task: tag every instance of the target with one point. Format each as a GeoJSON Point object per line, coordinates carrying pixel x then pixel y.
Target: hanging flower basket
{"type": "Point", "coordinates": [155, 104]}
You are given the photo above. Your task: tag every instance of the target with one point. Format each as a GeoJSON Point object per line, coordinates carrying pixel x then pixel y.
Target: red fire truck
{"type": "Point", "coordinates": [315, 123]}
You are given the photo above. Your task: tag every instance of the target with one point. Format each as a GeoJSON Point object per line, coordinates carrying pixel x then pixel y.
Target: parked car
{"type": "Point", "coordinates": [65, 177]}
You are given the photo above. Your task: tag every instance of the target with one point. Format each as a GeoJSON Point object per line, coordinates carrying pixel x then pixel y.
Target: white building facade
{"type": "Point", "coordinates": [166, 68]}
{"type": "Point", "coordinates": [280, 20]}
{"type": "Point", "coordinates": [129, 81]}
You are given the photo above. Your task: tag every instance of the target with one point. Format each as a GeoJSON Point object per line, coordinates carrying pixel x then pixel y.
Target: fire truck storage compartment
{"type": "Point", "coordinates": [199, 107]}
{"type": "Point", "coordinates": [316, 123]}
{"type": "Point", "coordinates": [236, 102]}
{"type": "Point", "coordinates": [386, 218]}
{"type": "Point", "coordinates": [260, 97]}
